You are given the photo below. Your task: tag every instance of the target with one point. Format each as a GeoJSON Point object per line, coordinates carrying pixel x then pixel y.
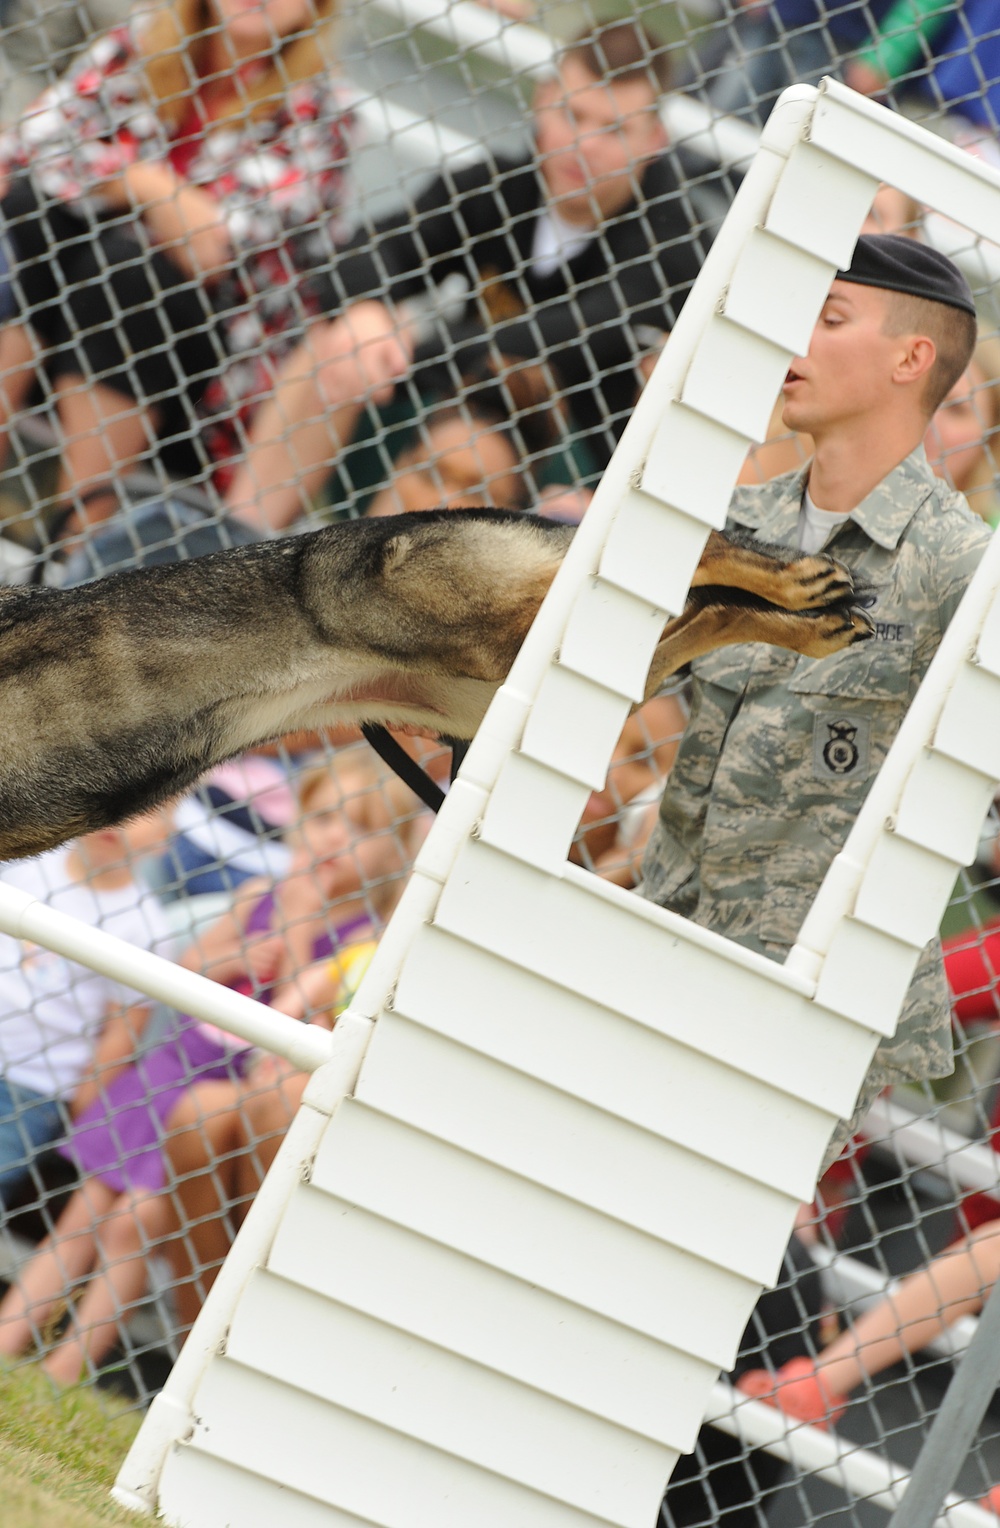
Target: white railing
{"type": "Point", "coordinates": [923, 1141]}
{"type": "Point", "coordinates": [867, 1476]}
{"type": "Point", "coordinates": [24, 917]}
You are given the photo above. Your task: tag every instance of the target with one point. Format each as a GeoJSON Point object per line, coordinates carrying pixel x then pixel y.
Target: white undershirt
{"type": "Point", "coordinates": [816, 526]}
{"type": "Point", "coordinates": [557, 242]}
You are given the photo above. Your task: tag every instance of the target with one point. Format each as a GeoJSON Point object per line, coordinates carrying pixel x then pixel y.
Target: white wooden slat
{"type": "Point", "coordinates": [820, 203]}
{"type": "Point", "coordinates": [620, 1066]}
{"type": "Point", "coordinates": [464, 801]}
{"type": "Point", "coordinates": [943, 805]}
{"type": "Point", "coordinates": [904, 889]}
{"type": "Point", "coordinates": [653, 550]}
{"type": "Point", "coordinates": [611, 635]}
{"type": "Point", "coordinates": [504, 721]}
{"type": "Point", "coordinates": [590, 1259]}
{"type": "Point", "coordinates": [495, 1112]}
{"type": "Point", "coordinates": [558, 1347]}
{"type": "Point", "coordinates": [988, 646]}
{"type": "Point", "coordinates": [354, 1464]}
{"type": "Point", "coordinates": [533, 812]}
{"type": "Point", "coordinates": [948, 179]}
{"type": "Point", "coordinates": [433, 1396]}
{"type": "Point", "coordinates": [969, 728]}
{"type": "Point", "coordinates": [735, 376]}
{"type": "Point", "coordinates": [199, 1491]}
{"type": "Point", "coordinates": [639, 961]}
{"type": "Point", "coordinates": [802, 279]}
{"type": "Point", "coordinates": [866, 975]}
{"type": "Point", "coordinates": [693, 462]}
{"type": "Point", "coordinates": [574, 725]}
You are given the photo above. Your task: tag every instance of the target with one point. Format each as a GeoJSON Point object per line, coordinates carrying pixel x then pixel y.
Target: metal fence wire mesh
{"type": "Point", "coordinates": [273, 264]}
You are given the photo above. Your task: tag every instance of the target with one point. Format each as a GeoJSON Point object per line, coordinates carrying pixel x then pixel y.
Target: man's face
{"type": "Point", "coordinates": [593, 139]}
{"type": "Point", "coordinates": [851, 363]}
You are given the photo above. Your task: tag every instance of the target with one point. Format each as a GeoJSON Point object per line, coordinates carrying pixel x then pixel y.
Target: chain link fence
{"type": "Point", "coordinates": [273, 265]}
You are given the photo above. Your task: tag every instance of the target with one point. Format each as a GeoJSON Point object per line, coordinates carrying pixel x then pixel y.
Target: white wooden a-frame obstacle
{"type": "Point", "coordinates": [524, 1212]}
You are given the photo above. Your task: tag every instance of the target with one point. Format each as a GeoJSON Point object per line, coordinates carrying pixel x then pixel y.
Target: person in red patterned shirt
{"type": "Point", "coordinates": [171, 208]}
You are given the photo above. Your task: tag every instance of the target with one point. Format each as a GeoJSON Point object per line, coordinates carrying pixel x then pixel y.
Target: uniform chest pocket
{"type": "Point", "coordinates": [870, 671]}
{"type": "Point", "coordinates": [852, 705]}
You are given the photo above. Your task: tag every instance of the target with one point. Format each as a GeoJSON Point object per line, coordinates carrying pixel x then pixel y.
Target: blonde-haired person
{"type": "Point", "coordinates": [224, 1134]}
{"type": "Point", "coordinates": [963, 439]}
{"type": "Point", "coordinates": [171, 205]}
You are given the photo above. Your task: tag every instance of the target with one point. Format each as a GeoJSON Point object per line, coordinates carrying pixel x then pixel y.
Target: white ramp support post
{"type": "Point", "coordinates": [518, 1229]}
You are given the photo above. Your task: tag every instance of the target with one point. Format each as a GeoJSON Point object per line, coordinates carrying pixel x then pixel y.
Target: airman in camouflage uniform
{"type": "Point", "coordinates": [780, 750]}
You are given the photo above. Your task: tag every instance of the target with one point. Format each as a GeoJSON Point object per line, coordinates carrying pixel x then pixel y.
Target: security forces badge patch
{"type": "Point", "coordinates": [840, 747]}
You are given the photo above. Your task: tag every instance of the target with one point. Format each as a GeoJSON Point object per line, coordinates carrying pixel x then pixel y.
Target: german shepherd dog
{"type": "Point", "coordinates": [120, 693]}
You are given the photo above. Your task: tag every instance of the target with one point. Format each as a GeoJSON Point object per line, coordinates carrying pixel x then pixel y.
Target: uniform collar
{"type": "Point", "coordinates": [890, 507]}
{"type": "Point", "coordinates": [773, 509]}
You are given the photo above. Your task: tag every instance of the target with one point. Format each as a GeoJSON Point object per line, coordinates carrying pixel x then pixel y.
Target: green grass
{"type": "Point", "coordinates": [59, 1454]}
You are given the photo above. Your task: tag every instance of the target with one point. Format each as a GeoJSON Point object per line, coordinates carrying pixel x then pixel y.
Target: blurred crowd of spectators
{"type": "Point", "coordinates": [206, 351]}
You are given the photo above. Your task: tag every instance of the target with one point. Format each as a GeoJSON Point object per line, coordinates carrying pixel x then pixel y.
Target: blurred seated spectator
{"type": "Point", "coordinates": [472, 453]}
{"type": "Point", "coordinates": [904, 1321]}
{"type": "Point", "coordinates": [230, 829]}
{"type": "Point", "coordinates": [963, 440]}
{"type": "Point", "coordinates": [569, 248]}
{"type": "Point", "coordinates": [39, 38]}
{"type": "Point", "coordinates": [121, 1213]}
{"type": "Point", "coordinates": [921, 1308]}
{"type": "Point", "coordinates": [785, 42]}
{"type": "Point", "coordinates": [224, 1134]}
{"type": "Point", "coordinates": [893, 211]}
{"type": "Point", "coordinates": [943, 55]}
{"type": "Point", "coordinates": [618, 820]}
{"type": "Point", "coordinates": [60, 1021]}
{"type": "Point", "coordinates": [172, 205]}
{"type": "Point", "coordinates": [514, 10]}
{"type": "Point", "coordinates": [563, 502]}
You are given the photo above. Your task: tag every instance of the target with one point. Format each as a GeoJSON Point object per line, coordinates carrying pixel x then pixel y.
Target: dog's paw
{"type": "Point", "coordinates": [837, 627]}
{"type": "Point", "coordinates": [810, 583]}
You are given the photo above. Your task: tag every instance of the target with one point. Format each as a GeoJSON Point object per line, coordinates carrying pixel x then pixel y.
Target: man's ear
{"type": "Point", "coordinates": [918, 357]}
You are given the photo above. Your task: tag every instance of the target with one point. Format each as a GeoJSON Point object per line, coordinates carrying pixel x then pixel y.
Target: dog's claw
{"type": "Point", "coordinates": [838, 626]}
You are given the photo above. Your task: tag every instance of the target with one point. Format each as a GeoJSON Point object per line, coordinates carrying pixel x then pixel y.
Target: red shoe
{"type": "Point", "coordinates": [757, 1384]}
{"type": "Point", "coordinates": [991, 1501]}
{"type": "Point", "coordinates": [798, 1390]}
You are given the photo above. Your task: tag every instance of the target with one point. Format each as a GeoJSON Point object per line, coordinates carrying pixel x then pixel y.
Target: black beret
{"type": "Point", "coordinates": [902, 265]}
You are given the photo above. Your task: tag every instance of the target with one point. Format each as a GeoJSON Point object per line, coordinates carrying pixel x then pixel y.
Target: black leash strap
{"type": "Point", "coordinates": [459, 748]}
{"type": "Point", "coordinates": [408, 770]}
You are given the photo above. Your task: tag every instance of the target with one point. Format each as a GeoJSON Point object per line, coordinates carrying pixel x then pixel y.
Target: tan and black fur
{"type": "Point", "coordinates": [119, 694]}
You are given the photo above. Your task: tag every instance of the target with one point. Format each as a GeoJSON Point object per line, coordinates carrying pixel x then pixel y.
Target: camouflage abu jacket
{"type": "Point", "coordinates": [780, 750]}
